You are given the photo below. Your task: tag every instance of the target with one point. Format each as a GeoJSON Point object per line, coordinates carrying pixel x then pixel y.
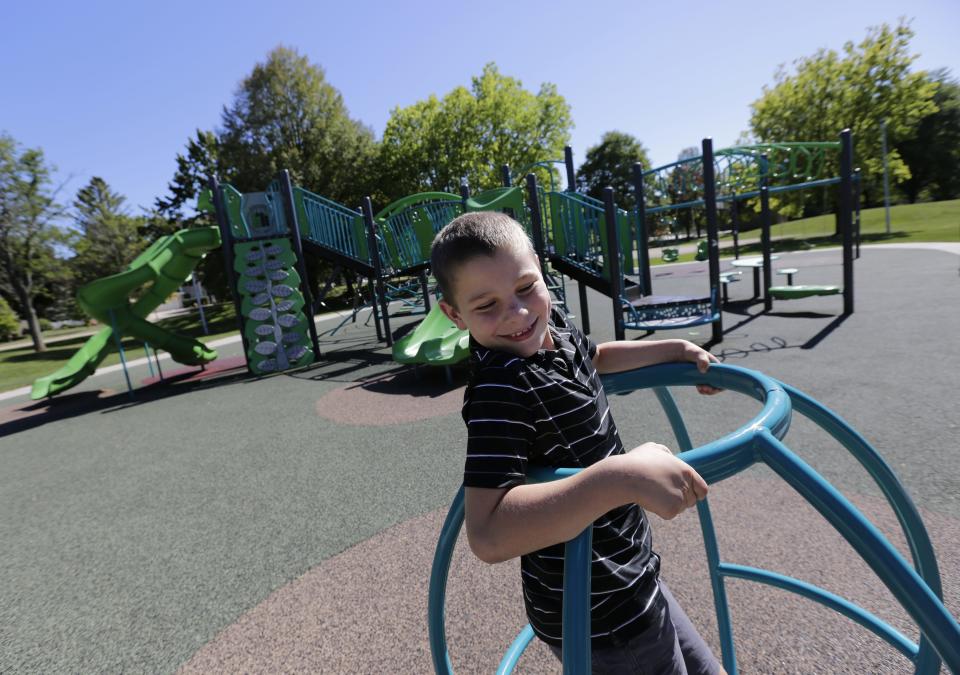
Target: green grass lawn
{"type": "Point", "coordinates": [20, 367]}
{"type": "Point", "coordinates": [933, 221]}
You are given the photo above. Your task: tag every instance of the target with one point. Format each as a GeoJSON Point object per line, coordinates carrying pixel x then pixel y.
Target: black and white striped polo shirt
{"type": "Point", "coordinates": [550, 409]}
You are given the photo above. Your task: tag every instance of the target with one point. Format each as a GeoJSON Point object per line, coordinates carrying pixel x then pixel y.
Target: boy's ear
{"type": "Point", "coordinates": [452, 314]}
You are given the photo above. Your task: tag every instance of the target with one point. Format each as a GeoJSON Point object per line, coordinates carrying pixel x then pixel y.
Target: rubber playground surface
{"type": "Point", "coordinates": [217, 522]}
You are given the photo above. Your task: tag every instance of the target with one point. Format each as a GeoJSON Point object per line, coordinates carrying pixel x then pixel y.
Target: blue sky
{"type": "Point", "coordinates": [116, 89]}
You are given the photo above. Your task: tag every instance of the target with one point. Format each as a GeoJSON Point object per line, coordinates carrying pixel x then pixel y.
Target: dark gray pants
{"type": "Point", "coordinates": [671, 646]}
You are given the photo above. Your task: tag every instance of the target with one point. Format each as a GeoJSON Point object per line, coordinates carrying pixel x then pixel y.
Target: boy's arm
{"type": "Point", "coordinates": [614, 357]}
{"type": "Point", "coordinates": [506, 523]}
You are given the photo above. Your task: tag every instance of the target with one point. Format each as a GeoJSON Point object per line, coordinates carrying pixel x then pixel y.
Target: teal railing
{"type": "Point", "coordinates": [917, 588]}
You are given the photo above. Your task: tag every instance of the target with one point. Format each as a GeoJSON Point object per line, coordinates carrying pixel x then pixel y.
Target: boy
{"type": "Point", "coordinates": [535, 397]}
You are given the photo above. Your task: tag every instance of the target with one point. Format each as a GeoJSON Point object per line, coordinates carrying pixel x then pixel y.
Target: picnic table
{"type": "Point", "coordinates": [756, 264]}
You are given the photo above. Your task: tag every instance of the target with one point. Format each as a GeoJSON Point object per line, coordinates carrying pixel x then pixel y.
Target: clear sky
{"type": "Point", "coordinates": [116, 89]}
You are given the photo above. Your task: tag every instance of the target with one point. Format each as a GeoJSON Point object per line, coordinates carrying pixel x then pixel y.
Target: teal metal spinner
{"type": "Point", "coordinates": [917, 588]}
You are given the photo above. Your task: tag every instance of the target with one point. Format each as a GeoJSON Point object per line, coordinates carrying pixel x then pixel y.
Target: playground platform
{"type": "Point", "coordinates": [218, 522]}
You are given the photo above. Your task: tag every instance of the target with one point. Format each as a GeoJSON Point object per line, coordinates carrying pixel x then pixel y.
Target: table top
{"type": "Point", "coordinates": [751, 262]}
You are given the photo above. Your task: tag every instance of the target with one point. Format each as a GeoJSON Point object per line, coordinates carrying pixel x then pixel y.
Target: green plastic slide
{"type": "Point", "coordinates": [159, 270]}
{"type": "Point", "coordinates": [436, 341]}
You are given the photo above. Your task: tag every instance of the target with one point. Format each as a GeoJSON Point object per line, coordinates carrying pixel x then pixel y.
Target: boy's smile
{"type": "Point", "coordinates": [503, 301]}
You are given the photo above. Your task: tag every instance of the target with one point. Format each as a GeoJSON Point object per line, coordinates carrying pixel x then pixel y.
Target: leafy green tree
{"type": "Point", "coordinates": [28, 230]}
{"type": "Point", "coordinates": [933, 153]}
{"type": "Point", "coordinates": [109, 238]}
{"type": "Point", "coordinates": [869, 83]}
{"type": "Point", "coordinates": [471, 133]}
{"type": "Point", "coordinates": [9, 323]}
{"type": "Point", "coordinates": [285, 115]}
{"type": "Point", "coordinates": [176, 210]}
{"type": "Point", "coordinates": [610, 163]}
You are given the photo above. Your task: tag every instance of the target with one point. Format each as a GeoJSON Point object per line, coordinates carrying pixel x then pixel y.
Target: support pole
{"type": "Point", "coordinates": [856, 209]}
{"type": "Point", "coordinates": [568, 163]}
{"type": "Point", "coordinates": [735, 223]}
{"type": "Point", "coordinates": [505, 175]}
{"type": "Point", "coordinates": [293, 228]}
{"type": "Point", "coordinates": [846, 208]}
{"type": "Point", "coordinates": [379, 293]}
{"type": "Point", "coordinates": [226, 246]}
{"type": "Point", "coordinates": [611, 261]}
{"type": "Point", "coordinates": [123, 358]}
{"type": "Point", "coordinates": [765, 243]}
{"type": "Point", "coordinates": [713, 235]}
{"type": "Point", "coordinates": [536, 221]}
{"type": "Point", "coordinates": [464, 194]}
{"type": "Point", "coordinates": [643, 238]}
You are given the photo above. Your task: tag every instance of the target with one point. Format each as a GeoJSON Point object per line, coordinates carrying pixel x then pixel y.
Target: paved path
{"type": "Point", "coordinates": [286, 523]}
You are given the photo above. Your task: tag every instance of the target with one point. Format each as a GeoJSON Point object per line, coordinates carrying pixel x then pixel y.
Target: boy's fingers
{"type": "Point", "coordinates": [700, 487]}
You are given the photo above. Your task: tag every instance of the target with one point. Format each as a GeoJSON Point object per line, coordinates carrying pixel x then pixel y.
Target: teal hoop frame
{"type": "Point", "coordinates": [917, 588]}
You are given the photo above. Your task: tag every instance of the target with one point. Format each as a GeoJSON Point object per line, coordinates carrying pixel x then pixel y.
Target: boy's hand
{"type": "Point", "coordinates": [702, 358]}
{"type": "Point", "coordinates": [661, 483]}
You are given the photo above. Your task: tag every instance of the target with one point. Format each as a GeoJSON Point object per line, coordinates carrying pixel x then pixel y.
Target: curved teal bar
{"type": "Point", "coordinates": [918, 591]}
{"type": "Point", "coordinates": [827, 599]}
{"type": "Point", "coordinates": [903, 507]}
{"type": "Point", "coordinates": [515, 651]}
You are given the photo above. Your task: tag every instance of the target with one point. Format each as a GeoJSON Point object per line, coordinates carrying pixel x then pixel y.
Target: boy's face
{"type": "Point", "coordinates": [503, 302]}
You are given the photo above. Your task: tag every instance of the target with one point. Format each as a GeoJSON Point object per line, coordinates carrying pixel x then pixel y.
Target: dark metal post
{"type": "Point", "coordinates": [765, 243]}
{"type": "Point", "coordinates": [226, 246]}
{"type": "Point", "coordinates": [643, 239]}
{"type": "Point", "coordinates": [856, 208]}
{"type": "Point", "coordinates": [372, 284]}
{"type": "Point", "coordinates": [713, 234]}
{"type": "Point", "coordinates": [379, 292]}
{"type": "Point", "coordinates": [568, 162]}
{"type": "Point", "coordinates": [846, 208]}
{"type": "Point", "coordinates": [735, 223]}
{"type": "Point", "coordinates": [425, 287]}
{"type": "Point", "coordinates": [505, 174]}
{"type": "Point", "coordinates": [464, 194]}
{"type": "Point", "coordinates": [612, 261]}
{"type": "Point", "coordinates": [536, 220]}
{"type": "Point", "coordinates": [293, 225]}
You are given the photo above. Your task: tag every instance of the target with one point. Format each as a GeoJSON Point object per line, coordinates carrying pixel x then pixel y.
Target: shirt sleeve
{"type": "Point", "coordinates": [500, 430]}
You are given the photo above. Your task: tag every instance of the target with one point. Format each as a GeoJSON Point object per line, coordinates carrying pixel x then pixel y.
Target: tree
{"type": "Point", "coordinates": [28, 230]}
{"type": "Point", "coordinates": [284, 115]}
{"type": "Point", "coordinates": [433, 144]}
{"type": "Point", "coordinates": [871, 82]}
{"type": "Point", "coordinates": [933, 153]}
{"type": "Point", "coordinates": [109, 237]}
{"type": "Point", "coordinates": [193, 171]}
{"type": "Point", "coordinates": [610, 163]}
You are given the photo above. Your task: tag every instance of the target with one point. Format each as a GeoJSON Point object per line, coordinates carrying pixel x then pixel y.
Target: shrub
{"type": "Point", "coordinates": [9, 323]}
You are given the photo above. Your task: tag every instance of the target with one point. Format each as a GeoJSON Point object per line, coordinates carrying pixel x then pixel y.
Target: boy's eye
{"type": "Point", "coordinates": [484, 306]}
{"type": "Point", "coordinates": [527, 288]}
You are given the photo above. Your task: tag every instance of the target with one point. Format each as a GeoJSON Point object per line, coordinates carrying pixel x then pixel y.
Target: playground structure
{"type": "Point", "coordinates": [265, 234]}
{"type": "Point", "coordinates": [163, 267]}
{"type": "Point", "coordinates": [389, 249]}
{"type": "Point", "coordinates": [760, 171]}
{"type": "Point", "coordinates": [917, 588]}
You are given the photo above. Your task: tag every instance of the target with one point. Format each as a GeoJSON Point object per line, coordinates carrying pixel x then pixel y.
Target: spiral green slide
{"type": "Point", "coordinates": [159, 271]}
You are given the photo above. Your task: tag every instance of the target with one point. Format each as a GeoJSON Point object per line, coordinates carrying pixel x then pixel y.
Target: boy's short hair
{"type": "Point", "coordinates": [469, 235]}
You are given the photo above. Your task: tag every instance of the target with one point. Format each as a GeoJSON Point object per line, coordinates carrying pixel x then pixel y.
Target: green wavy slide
{"type": "Point", "coordinates": [159, 271]}
{"type": "Point", "coordinates": [436, 341]}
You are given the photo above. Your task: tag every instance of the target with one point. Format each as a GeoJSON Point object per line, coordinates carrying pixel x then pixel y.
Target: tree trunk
{"type": "Point", "coordinates": [33, 324]}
